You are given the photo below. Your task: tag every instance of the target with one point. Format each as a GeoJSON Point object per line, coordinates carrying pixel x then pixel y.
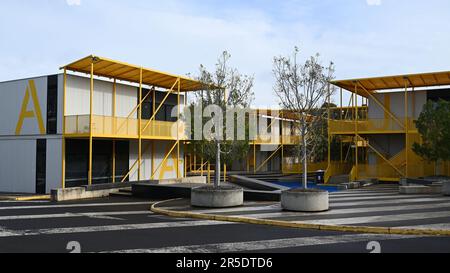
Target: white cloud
{"type": "Point", "coordinates": [374, 2]}
{"type": "Point", "coordinates": [73, 2]}
{"type": "Point", "coordinates": [176, 36]}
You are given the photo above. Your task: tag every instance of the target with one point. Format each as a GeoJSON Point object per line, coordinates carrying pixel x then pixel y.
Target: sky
{"type": "Point", "coordinates": [363, 38]}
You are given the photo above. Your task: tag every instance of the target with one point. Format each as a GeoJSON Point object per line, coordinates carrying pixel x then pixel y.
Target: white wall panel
{"type": "Point", "coordinates": [54, 164]}
{"type": "Point", "coordinates": [18, 166]}
{"type": "Point", "coordinates": [126, 100]}
{"type": "Point", "coordinates": [78, 95]}
{"type": "Point", "coordinates": [12, 95]}
{"type": "Point", "coordinates": [397, 104]}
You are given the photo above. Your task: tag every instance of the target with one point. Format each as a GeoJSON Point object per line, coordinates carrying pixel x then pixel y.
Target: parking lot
{"type": "Point", "coordinates": [120, 224]}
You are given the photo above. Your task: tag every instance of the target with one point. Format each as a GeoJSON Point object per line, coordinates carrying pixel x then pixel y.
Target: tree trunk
{"type": "Point", "coordinates": [217, 171]}
{"type": "Point", "coordinates": [305, 162]}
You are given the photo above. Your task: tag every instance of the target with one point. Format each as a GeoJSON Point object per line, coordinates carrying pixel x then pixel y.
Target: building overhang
{"type": "Point", "coordinates": [372, 85]}
{"type": "Point", "coordinates": [112, 69]}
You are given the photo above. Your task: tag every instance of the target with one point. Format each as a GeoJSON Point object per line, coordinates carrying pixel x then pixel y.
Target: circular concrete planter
{"type": "Point", "coordinates": [446, 188]}
{"type": "Point", "coordinates": [311, 200]}
{"type": "Point", "coordinates": [221, 197]}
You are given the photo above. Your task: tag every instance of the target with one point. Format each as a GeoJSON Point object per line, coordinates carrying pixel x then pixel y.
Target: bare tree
{"type": "Point", "coordinates": [304, 89]}
{"type": "Point", "coordinates": [223, 87]}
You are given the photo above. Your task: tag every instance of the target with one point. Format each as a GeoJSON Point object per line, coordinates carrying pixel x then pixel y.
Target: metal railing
{"type": "Point", "coordinates": [106, 126]}
{"type": "Point", "coordinates": [369, 125]}
{"type": "Point", "coordinates": [270, 139]}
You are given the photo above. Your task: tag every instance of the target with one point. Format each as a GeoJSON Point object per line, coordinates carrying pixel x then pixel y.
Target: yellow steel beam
{"type": "Point", "coordinates": [63, 151]}
{"type": "Point", "coordinates": [383, 157]}
{"type": "Point", "coordinates": [153, 155]}
{"type": "Point", "coordinates": [268, 159]}
{"type": "Point", "coordinates": [178, 129]}
{"type": "Point", "coordinates": [165, 159]}
{"type": "Point", "coordinates": [209, 173]}
{"type": "Point", "coordinates": [160, 105]}
{"type": "Point", "coordinates": [406, 127]}
{"type": "Point", "coordinates": [114, 130]}
{"type": "Point", "coordinates": [114, 161]}
{"type": "Point", "coordinates": [114, 104]}
{"type": "Point", "coordinates": [133, 111]}
{"type": "Point", "coordinates": [224, 172]}
{"type": "Point", "coordinates": [356, 128]}
{"type": "Point", "coordinates": [91, 115]}
{"type": "Point", "coordinates": [254, 157]}
{"type": "Point", "coordinates": [328, 125]}
{"type": "Point", "coordinates": [282, 143]}
{"type": "Point", "coordinates": [382, 106]}
{"type": "Point", "coordinates": [134, 165]}
{"type": "Point", "coordinates": [139, 126]}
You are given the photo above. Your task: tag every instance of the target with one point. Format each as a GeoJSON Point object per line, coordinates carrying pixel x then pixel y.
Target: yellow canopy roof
{"type": "Point", "coordinates": [395, 82]}
{"type": "Point", "coordinates": [122, 71]}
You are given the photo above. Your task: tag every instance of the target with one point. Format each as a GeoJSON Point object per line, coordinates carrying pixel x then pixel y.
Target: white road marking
{"type": "Point", "coordinates": [88, 229]}
{"type": "Point", "coordinates": [380, 218]}
{"type": "Point", "coordinates": [398, 197]}
{"type": "Point", "coordinates": [270, 244]}
{"type": "Point", "coordinates": [387, 202]}
{"type": "Point", "coordinates": [279, 213]}
{"type": "Point", "coordinates": [77, 205]}
{"type": "Point", "coordinates": [237, 209]}
{"type": "Point", "coordinates": [99, 215]}
{"type": "Point", "coordinates": [338, 195]}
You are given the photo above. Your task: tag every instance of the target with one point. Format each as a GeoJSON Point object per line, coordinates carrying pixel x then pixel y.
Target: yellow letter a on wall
{"type": "Point", "coordinates": [36, 113]}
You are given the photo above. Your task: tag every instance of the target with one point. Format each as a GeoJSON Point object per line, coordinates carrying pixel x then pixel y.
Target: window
{"type": "Point", "coordinates": [41, 165]}
{"type": "Point", "coordinates": [52, 104]}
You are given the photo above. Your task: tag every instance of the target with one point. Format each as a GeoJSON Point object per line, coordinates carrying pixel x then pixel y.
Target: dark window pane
{"type": "Point", "coordinates": [52, 104]}
{"type": "Point", "coordinates": [41, 166]}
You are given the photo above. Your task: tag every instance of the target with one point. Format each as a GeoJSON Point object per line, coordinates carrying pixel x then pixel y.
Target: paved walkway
{"type": "Point", "coordinates": [376, 206]}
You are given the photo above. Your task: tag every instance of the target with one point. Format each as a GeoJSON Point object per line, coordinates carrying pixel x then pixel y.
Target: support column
{"type": "Point", "coordinates": [178, 128]}
{"type": "Point", "coordinates": [282, 142]}
{"type": "Point", "coordinates": [328, 125]}
{"type": "Point", "coordinates": [254, 157]}
{"type": "Point", "coordinates": [140, 126]}
{"type": "Point", "coordinates": [153, 142]}
{"type": "Point", "coordinates": [406, 128]}
{"type": "Point", "coordinates": [91, 115]}
{"type": "Point", "coordinates": [340, 116]}
{"type": "Point", "coordinates": [153, 158]}
{"type": "Point", "coordinates": [114, 131]}
{"type": "Point", "coordinates": [63, 150]}
{"type": "Point", "coordinates": [224, 172]}
{"type": "Point", "coordinates": [355, 102]}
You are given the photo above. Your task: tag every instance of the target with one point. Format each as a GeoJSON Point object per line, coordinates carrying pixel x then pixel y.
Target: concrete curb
{"type": "Point", "coordinates": [287, 224]}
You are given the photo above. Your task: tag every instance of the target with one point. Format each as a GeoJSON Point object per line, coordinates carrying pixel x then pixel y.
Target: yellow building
{"type": "Point", "coordinates": [100, 121]}
{"type": "Point", "coordinates": [376, 129]}
{"type": "Point", "coordinates": [276, 131]}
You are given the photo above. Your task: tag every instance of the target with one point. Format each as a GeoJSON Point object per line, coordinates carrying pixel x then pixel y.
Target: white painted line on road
{"type": "Point", "coordinates": [77, 205]}
{"type": "Point", "coordinates": [389, 202]}
{"type": "Point", "coordinates": [338, 195]}
{"type": "Point", "coordinates": [381, 218]}
{"type": "Point", "coordinates": [278, 213]}
{"type": "Point", "coordinates": [237, 209]}
{"type": "Point", "coordinates": [397, 197]}
{"type": "Point", "coordinates": [270, 244]}
{"type": "Point", "coordinates": [98, 215]}
{"type": "Point", "coordinates": [88, 229]}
